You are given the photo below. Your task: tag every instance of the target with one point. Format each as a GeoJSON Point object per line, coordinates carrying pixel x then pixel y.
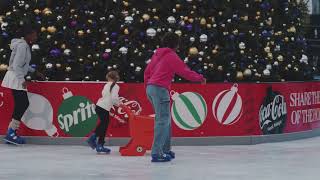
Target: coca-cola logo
{"type": "Point", "coordinates": [118, 113]}
{"type": "Point", "coordinates": [273, 113]}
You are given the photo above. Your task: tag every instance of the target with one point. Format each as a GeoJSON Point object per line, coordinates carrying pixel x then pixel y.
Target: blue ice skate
{"type": "Point", "coordinates": [161, 158]}
{"type": "Point", "coordinates": [13, 138]}
{"type": "Point", "coordinates": [101, 149]}
{"type": "Point", "coordinates": [92, 141]}
{"type": "Point", "coordinates": [171, 154]}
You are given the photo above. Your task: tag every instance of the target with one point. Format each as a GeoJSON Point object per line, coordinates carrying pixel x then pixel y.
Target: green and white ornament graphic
{"type": "Point", "coordinates": [189, 110]}
{"type": "Point", "coordinates": [76, 115]}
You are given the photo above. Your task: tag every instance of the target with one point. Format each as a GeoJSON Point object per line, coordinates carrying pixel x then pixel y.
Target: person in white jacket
{"type": "Point", "coordinates": [14, 80]}
{"type": "Point", "coordinates": [110, 97]}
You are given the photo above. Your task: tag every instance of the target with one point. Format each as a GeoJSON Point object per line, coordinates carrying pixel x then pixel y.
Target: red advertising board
{"type": "Point", "coordinates": [221, 109]}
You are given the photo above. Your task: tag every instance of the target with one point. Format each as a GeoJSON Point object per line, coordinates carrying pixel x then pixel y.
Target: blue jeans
{"type": "Point", "coordinates": [160, 100]}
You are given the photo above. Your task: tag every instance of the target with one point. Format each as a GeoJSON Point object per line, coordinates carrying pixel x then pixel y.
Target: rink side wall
{"type": "Point", "coordinates": [212, 114]}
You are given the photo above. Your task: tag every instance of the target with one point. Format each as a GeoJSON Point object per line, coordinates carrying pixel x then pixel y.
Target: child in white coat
{"type": "Point", "coordinates": [110, 97]}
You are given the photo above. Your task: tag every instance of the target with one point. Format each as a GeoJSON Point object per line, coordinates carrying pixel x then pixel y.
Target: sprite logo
{"type": "Point", "coordinates": [77, 116]}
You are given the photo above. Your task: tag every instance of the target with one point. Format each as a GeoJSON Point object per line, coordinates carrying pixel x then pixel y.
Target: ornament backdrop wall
{"type": "Point", "coordinates": [221, 109]}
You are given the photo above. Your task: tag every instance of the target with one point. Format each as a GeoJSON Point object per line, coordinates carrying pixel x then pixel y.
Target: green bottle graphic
{"type": "Point", "coordinates": [76, 115]}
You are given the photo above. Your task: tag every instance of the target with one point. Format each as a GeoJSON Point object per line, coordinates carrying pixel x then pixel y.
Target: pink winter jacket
{"type": "Point", "coordinates": [165, 63]}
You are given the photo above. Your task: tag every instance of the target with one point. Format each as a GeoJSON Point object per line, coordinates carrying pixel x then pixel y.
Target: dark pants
{"type": "Point", "coordinates": [21, 103]}
{"type": "Point", "coordinates": [103, 125]}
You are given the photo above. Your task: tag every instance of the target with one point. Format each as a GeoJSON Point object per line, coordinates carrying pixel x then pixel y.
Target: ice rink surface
{"type": "Point", "coordinates": [294, 160]}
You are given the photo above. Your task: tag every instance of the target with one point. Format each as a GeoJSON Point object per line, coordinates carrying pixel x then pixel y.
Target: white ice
{"type": "Point", "coordinates": [295, 160]}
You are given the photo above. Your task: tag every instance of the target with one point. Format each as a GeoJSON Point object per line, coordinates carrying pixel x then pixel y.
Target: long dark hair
{"type": "Point", "coordinates": [25, 30]}
{"type": "Point", "coordinates": [170, 40]}
{"type": "Point", "coordinates": [113, 75]}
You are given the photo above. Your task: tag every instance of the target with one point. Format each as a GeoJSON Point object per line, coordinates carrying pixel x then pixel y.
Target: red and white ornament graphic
{"type": "Point", "coordinates": [227, 106]}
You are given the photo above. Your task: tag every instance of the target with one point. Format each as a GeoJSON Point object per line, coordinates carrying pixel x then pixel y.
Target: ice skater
{"type": "Point", "coordinates": [110, 97]}
{"type": "Point", "coordinates": [165, 63]}
{"type": "Point", "coordinates": [14, 79]}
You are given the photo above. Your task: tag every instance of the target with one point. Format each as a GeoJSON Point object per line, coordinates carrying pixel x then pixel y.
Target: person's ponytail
{"type": "Point", "coordinates": [113, 75]}
{"type": "Point", "coordinates": [112, 85]}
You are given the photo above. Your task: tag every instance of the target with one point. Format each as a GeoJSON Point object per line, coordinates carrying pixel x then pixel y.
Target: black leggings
{"type": "Point", "coordinates": [103, 125]}
{"type": "Point", "coordinates": [21, 103]}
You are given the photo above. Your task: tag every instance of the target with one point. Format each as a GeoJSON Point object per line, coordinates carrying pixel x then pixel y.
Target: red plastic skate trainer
{"type": "Point", "coordinates": [141, 132]}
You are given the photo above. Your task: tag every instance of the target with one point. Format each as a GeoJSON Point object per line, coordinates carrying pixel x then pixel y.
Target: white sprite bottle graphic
{"type": "Point", "coordinates": [39, 115]}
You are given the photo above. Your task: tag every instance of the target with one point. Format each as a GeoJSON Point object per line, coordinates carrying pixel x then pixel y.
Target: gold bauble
{"type": "Point", "coordinates": [214, 51]}
{"type": "Point", "coordinates": [236, 31]}
{"type": "Point", "coordinates": [269, 22]}
{"type": "Point", "coordinates": [239, 76]}
{"type": "Point", "coordinates": [178, 32]}
{"type": "Point", "coordinates": [126, 31]}
{"type": "Point", "coordinates": [43, 29]}
{"type": "Point", "coordinates": [267, 49]}
{"type": "Point", "coordinates": [193, 51]}
{"type": "Point", "coordinates": [37, 11]}
{"type": "Point", "coordinates": [292, 29]}
{"type": "Point", "coordinates": [145, 17]}
{"type": "Point", "coordinates": [47, 11]}
{"type": "Point", "coordinates": [203, 21]}
{"type": "Point", "coordinates": [80, 33]}
{"type": "Point", "coordinates": [68, 68]}
{"type": "Point", "coordinates": [280, 58]}
{"type": "Point", "coordinates": [245, 18]}
{"type": "Point", "coordinates": [51, 29]}
{"type": "Point", "coordinates": [279, 33]}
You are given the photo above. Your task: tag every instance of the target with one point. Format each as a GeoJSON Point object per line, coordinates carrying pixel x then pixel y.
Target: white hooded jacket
{"type": "Point", "coordinates": [18, 65]}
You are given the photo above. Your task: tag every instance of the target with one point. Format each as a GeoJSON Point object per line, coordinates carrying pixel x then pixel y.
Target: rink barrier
{"type": "Point", "coordinates": [215, 113]}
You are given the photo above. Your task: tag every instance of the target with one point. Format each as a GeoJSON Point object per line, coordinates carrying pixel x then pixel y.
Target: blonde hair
{"type": "Point", "coordinates": [113, 75]}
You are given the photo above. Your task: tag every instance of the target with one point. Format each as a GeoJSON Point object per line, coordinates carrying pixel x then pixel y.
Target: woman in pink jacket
{"type": "Point", "coordinates": [165, 63]}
